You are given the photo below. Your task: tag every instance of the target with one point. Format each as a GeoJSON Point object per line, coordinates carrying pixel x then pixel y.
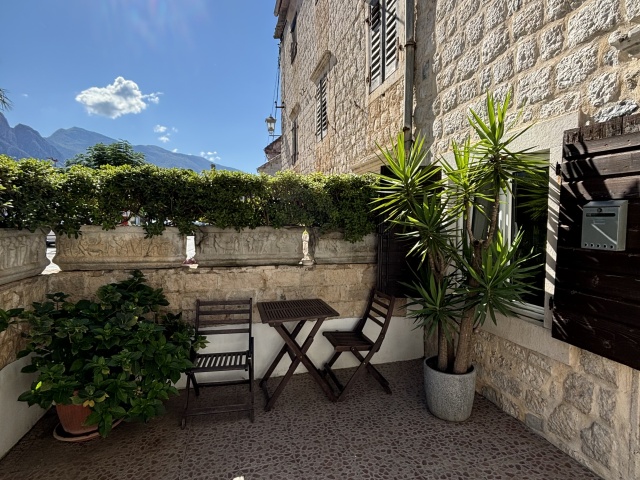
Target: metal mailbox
{"type": "Point", "coordinates": [604, 225]}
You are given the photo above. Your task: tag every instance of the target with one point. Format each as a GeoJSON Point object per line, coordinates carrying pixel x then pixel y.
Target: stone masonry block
{"type": "Point", "coordinates": [578, 391]}
{"type": "Point", "coordinates": [599, 367]}
{"type": "Point", "coordinates": [540, 361]}
{"type": "Point", "coordinates": [598, 443]}
{"type": "Point", "coordinates": [485, 80]}
{"type": "Point", "coordinates": [633, 10]}
{"type": "Point", "coordinates": [503, 69]}
{"type": "Point", "coordinates": [535, 402]}
{"type": "Point", "coordinates": [607, 405]}
{"type": "Point", "coordinates": [467, 91]}
{"type": "Point", "coordinates": [564, 421]}
{"type": "Point", "coordinates": [454, 121]}
{"type": "Point", "coordinates": [534, 422]}
{"type": "Point", "coordinates": [532, 376]}
{"type": "Point", "coordinates": [505, 383]}
{"type": "Point", "coordinates": [603, 89]}
{"type": "Point", "coordinates": [527, 54]}
{"type": "Point", "coordinates": [594, 18]}
{"type": "Point", "coordinates": [452, 50]}
{"type": "Point", "coordinates": [494, 45]}
{"type": "Point", "coordinates": [495, 14]}
{"type": "Point", "coordinates": [467, 65]}
{"type": "Point", "coordinates": [529, 20]}
{"type": "Point", "coordinates": [569, 102]}
{"type": "Point", "coordinates": [451, 26]}
{"type": "Point", "coordinates": [551, 42]}
{"type": "Point", "coordinates": [449, 100]}
{"type": "Point", "coordinates": [444, 8]}
{"type": "Point", "coordinates": [514, 5]}
{"type": "Point", "coordinates": [468, 10]}
{"type": "Point", "coordinates": [474, 30]}
{"type": "Point", "coordinates": [448, 76]}
{"type": "Point", "coordinates": [574, 69]}
{"type": "Point", "coordinates": [557, 9]}
{"type": "Point", "coordinates": [534, 87]}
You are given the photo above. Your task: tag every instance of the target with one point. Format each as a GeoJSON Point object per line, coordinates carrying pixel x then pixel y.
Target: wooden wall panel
{"type": "Point", "coordinates": [597, 296]}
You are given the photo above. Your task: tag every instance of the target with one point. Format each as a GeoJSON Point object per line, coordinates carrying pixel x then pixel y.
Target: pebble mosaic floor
{"type": "Point", "coordinates": [370, 435]}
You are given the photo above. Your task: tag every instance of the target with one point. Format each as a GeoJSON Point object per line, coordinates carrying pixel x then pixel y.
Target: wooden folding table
{"type": "Point", "coordinates": [276, 314]}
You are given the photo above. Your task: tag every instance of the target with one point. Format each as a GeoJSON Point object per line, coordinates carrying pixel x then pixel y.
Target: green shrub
{"type": "Point", "coordinates": [28, 194]}
{"type": "Point", "coordinates": [35, 194]}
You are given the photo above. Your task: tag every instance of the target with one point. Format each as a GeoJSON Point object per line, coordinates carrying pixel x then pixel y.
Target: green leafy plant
{"type": "Point", "coordinates": [35, 194]}
{"type": "Point", "coordinates": [115, 154]}
{"type": "Point", "coordinates": [27, 196]}
{"type": "Point", "coordinates": [118, 355]}
{"type": "Point", "coordinates": [465, 275]}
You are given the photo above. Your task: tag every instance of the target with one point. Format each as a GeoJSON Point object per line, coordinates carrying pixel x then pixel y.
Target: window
{"type": "Point", "coordinates": [294, 38]}
{"type": "Point", "coordinates": [321, 108]}
{"type": "Point", "coordinates": [294, 142]}
{"type": "Point", "coordinates": [524, 208]}
{"type": "Point", "coordinates": [383, 40]}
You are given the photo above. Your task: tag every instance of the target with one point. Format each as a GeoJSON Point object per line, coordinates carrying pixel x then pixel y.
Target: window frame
{"type": "Point", "coordinates": [384, 41]}
{"type": "Point", "coordinates": [321, 115]}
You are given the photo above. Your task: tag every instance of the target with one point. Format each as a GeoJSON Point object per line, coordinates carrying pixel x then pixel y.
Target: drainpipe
{"type": "Point", "coordinates": [409, 66]}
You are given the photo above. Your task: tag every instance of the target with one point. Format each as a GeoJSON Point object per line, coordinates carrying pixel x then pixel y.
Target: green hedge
{"type": "Point", "coordinates": [35, 194]}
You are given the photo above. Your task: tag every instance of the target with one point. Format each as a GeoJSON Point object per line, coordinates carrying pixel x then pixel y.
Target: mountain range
{"type": "Point", "coordinates": [23, 141]}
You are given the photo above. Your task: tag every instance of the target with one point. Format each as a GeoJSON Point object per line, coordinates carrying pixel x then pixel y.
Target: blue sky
{"type": "Point", "coordinates": [197, 76]}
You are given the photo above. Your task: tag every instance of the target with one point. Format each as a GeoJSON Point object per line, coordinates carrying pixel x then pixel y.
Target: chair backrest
{"type": "Point", "coordinates": [224, 317]}
{"type": "Point", "coordinates": [379, 312]}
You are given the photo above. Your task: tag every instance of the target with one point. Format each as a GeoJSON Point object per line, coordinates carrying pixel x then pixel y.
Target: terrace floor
{"type": "Point", "coordinates": [371, 435]}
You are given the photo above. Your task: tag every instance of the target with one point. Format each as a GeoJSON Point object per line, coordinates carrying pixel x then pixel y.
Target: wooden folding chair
{"type": "Point", "coordinates": [377, 316]}
{"type": "Point", "coordinates": [232, 318]}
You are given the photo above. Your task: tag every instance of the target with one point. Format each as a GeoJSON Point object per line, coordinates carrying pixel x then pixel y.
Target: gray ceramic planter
{"type": "Point", "coordinates": [449, 397]}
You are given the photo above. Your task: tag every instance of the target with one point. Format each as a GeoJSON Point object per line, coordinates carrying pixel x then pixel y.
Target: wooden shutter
{"type": "Point", "coordinates": [321, 108]}
{"type": "Point", "coordinates": [375, 35]}
{"type": "Point", "coordinates": [597, 293]}
{"type": "Point", "coordinates": [390, 38]}
{"type": "Point", "coordinates": [294, 38]}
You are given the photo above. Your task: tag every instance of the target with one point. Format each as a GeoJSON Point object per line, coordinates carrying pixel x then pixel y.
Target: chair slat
{"type": "Point", "coordinates": [225, 312]}
{"type": "Point", "coordinates": [371, 317]}
{"type": "Point", "coordinates": [379, 312]}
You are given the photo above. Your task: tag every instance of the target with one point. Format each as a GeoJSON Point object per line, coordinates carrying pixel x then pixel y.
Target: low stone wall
{"type": "Point", "coordinates": [588, 408]}
{"type": "Point", "coordinates": [23, 254]}
{"type": "Point", "coordinates": [19, 294]}
{"type": "Point", "coordinates": [346, 286]}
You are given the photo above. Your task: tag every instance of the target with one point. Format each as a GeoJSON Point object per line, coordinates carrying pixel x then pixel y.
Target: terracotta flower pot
{"type": "Point", "coordinates": [72, 418]}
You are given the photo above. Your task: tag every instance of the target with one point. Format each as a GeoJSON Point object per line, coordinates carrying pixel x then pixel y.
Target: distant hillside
{"type": "Point", "coordinates": [25, 142]}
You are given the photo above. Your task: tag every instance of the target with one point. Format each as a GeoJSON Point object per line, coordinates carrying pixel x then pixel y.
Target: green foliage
{"type": "Point", "coordinates": [465, 276]}
{"type": "Point", "coordinates": [35, 194]}
{"type": "Point", "coordinates": [119, 353]}
{"type": "Point", "coordinates": [27, 196]}
{"type": "Point", "coordinates": [5, 102]}
{"type": "Point", "coordinates": [116, 154]}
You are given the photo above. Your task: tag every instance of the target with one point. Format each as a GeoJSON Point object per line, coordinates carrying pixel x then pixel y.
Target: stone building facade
{"type": "Point", "coordinates": [566, 63]}
{"type": "Point", "coordinates": [330, 40]}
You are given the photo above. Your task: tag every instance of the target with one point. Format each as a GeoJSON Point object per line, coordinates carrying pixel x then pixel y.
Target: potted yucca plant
{"type": "Point", "coordinates": [467, 274]}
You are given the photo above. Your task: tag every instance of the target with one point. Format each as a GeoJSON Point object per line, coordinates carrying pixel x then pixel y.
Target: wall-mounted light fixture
{"type": "Point", "coordinates": [271, 122]}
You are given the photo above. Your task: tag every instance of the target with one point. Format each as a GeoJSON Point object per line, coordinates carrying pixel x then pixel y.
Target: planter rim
{"type": "Point", "coordinates": [434, 359]}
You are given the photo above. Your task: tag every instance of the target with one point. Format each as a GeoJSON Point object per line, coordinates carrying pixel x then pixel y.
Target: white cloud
{"type": "Point", "coordinates": [164, 138]}
{"type": "Point", "coordinates": [120, 98]}
{"type": "Point", "coordinates": [25, 95]}
{"type": "Point", "coordinates": [175, 150]}
{"type": "Point", "coordinates": [174, 129]}
{"type": "Point", "coordinates": [211, 156]}
{"type": "Point", "coordinates": [159, 129]}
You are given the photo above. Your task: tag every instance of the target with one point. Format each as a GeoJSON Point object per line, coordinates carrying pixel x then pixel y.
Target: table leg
{"type": "Point", "coordinates": [301, 356]}
{"type": "Point", "coordinates": [263, 383]}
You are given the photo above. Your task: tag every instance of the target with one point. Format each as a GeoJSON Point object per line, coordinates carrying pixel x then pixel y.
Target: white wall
{"type": "Point", "coordinates": [16, 418]}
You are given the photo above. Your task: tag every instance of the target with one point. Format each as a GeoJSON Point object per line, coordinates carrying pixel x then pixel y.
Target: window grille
{"type": "Point", "coordinates": [321, 108]}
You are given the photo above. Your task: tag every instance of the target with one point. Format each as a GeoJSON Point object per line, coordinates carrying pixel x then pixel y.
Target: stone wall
{"type": "Point", "coordinates": [554, 55]}
{"type": "Point", "coordinates": [332, 34]}
{"type": "Point", "coordinates": [588, 407]}
{"type": "Point", "coordinates": [345, 286]}
{"type": "Point", "coordinates": [18, 294]}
